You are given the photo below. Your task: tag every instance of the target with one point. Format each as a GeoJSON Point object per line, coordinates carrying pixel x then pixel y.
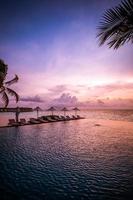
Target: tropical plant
{"type": "Point", "coordinates": [5, 91]}
{"type": "Point", "coordinates": [116, 26]}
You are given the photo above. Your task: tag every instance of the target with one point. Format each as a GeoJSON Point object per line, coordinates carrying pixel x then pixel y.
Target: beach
{"type": "Point", "coordinates": [80, 159]}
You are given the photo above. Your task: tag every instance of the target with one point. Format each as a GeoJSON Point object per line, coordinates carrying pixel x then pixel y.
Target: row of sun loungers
{"type": "Point", "coordinates": [43, 119]}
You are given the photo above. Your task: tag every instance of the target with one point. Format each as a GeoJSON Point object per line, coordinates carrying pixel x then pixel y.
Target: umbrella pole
{"type": "Point", "coordinates": [17, 116]}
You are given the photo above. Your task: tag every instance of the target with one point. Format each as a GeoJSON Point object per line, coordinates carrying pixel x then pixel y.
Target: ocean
{"type": "Point", "coordinates": [87, 159]}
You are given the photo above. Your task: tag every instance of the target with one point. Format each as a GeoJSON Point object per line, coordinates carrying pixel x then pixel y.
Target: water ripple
{"type": "Point", "coordinates": [74, 160]}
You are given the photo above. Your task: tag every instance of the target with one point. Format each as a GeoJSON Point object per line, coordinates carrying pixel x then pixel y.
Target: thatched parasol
{"type": "Point", "coordinates": [52, 109]}
{"type": "Point", "coordinates": [65, 110]}
{"type": "Point", "coordinates": [37, 109]}
{"type": "Point", "coordinates": [76, 110]}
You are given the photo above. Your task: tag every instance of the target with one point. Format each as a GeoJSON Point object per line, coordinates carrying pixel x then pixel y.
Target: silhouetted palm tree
{"type": "Point", "coordinates": [116, 26]}
{"type": "Point", "coordinates": [4, 89]}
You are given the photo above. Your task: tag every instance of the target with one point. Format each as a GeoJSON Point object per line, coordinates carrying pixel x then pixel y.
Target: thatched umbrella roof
{"type": "Point", "coordinates": [37, 109]}
{"type": "Point", "coordinates": [65, 110]}
{"type": "Point", "coordinates": [75, 109]}
{"type": "Point", "coordinates": [52, 109]}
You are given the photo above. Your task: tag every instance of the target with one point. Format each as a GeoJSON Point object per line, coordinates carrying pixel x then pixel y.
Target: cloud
{"type": "Point", "coordinates": [117, 89]}
{"type": "Point", "coordinates": [117, 94]}
{"type": "Point", "coordinates": [65, 99]}
{"type": "Point", "coordinates": [119, 103]}
{"type": "Point", "coordinates": [58, 89]}
{"type": "Point", "coordinates": [116, 86]}
{"type": "Point", "coordinates": [36, 99]}
{"type": "Point", "coordinates": [116, 103]}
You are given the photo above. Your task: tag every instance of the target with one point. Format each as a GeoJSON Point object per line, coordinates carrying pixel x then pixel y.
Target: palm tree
{"type": "Point", "coordinates": [116, 26]}
{"type": "Point", "coordinates": [4, 89]}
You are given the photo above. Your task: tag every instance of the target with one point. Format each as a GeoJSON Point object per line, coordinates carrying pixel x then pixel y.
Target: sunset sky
{"type": "Point", "coordinates": [52, 46]}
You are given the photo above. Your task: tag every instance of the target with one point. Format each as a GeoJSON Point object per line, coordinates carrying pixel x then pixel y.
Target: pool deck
{"type": "Point", "coordinates": [28, 123]}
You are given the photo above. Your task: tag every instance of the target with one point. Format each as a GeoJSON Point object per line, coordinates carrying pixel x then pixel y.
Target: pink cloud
{"type": "Point", "coordinates": [58, 89]}
{"type": "Point", "coordinates": [116, 89]}
{"type": "Point", "coordinates": [66, 100]}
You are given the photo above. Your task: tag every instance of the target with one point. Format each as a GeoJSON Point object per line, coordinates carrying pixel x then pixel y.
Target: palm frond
{"type": "Point", "coordinates": [2, 77]}
{"type": "Point", "coordinates": [116, 26]}
{"type": "Point", "coordinates": [14, 80]}
{"type": "Point", "coordinates": [116, 42]}
{"type": "Point", "coordinates": [2, 89]}
{"type": "Point", "coordinates": [5, 99]}
{"type": "Point", "coordinates": [13, 93]}
{"type": "Point", "coordinates": [3, 67]}
{"type": "Point", "coordinates": [3, 72]}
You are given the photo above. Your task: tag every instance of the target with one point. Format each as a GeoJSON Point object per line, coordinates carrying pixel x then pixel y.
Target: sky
{"type": "Point", "coordinates": [52, 46]}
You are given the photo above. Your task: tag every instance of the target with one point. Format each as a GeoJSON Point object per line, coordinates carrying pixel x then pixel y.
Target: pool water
{"type": "Point", "coordinates": [67, 160]}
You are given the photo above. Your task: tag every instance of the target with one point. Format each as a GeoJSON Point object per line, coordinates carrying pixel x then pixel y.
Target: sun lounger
{"type": "Point", "coordinates": [62, 117]}
{"type": "Point", "coordinates": [74, 117]}
{"type": "Point", "coordinates": [40, 119]}
{"type": "Point", "coordinates": [33, 121]}
{"type": "Point", "coordinates": [12, 122]}
{"type": "Point", "coordinates": [50, 119]}
{"type": "Point", "coordinates": [68, 118]}
{"type": "Point", "coordinates": [23, 121]}
{"type": "Point", "coordinates": [57, 118]}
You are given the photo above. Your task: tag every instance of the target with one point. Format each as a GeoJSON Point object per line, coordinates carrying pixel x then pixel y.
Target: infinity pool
{"type": "Point", "coordinates": [67, 160]}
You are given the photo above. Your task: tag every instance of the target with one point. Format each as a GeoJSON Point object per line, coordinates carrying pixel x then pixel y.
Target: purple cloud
{"type": "Point", "coordinates": [36, 99]}
{"type": "Point", "coordinates": [65, 99]}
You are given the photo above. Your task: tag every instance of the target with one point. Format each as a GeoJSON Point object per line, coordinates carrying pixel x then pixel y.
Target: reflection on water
{"type": "Point", "coordinates": [67, 160]}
